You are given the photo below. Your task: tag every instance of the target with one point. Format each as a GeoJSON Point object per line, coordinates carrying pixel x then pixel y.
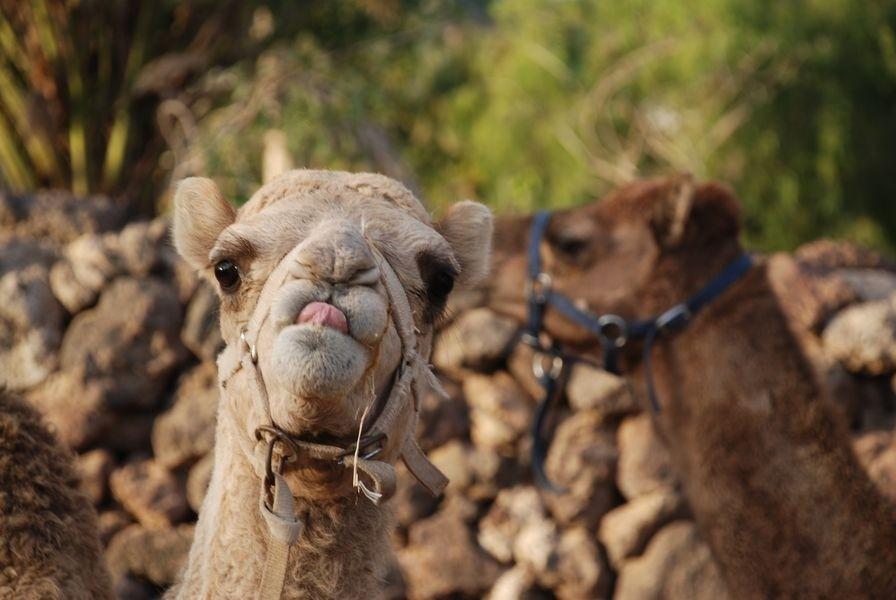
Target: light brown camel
{"type": "Point", "coordinates": [49, 539]}
{"type": "Point", "coordinates": [769, 470]}
{"type": "Point", "coordinates": [330, 286]}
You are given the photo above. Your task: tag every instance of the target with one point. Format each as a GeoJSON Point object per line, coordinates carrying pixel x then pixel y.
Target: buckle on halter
{"type": "Point", "coordinates": [538, 288]}
{"type": "Point", "coordinates": [253, 352]}
{"type": "Point", "coordinates": [275, 435]}
{"type": "Point", "coordinates": [366, 443]}
{"type": "Point", "coordinates": [530, 339]}
{"type": "Point", "coordinates": [535, 341]}
{"type": "Point", "coordinates": [539, 364]}
{"type": "Point", "coordinates": [674, 318]}
{"type": "Point", "coordinates": [613, 331]}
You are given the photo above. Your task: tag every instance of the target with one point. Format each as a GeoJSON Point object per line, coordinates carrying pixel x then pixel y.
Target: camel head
{"type": "Point", "coordinates": [645, 247]}
{"type": "Point", "coordinates": [305, 258]}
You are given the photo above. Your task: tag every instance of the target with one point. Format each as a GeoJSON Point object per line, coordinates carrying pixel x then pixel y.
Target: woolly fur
{"type": "Point", "coordinates": [766, 462]}
{"type": "Point", "coordinates": [314, 231]}
{"type": "Point", "coordinates": [49, 545]}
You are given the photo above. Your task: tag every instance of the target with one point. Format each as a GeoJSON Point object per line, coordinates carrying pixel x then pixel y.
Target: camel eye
{"type": "Point", "coordinates": [573, 243]}
{"type": "Point", "coordinates": [571, 246]}
{"type": "Point", "coordinates": [228, 275]}
{"type": "Point", "coordinates": [438, 276]}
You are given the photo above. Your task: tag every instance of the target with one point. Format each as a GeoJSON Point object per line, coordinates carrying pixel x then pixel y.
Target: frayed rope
{"type": "Point", "coordinates": [374, 497]}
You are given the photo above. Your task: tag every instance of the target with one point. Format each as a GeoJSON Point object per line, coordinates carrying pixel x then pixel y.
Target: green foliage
{"type": "Point", "coordinates": [535, 103]}
{"type": "Point", "coordinates": [81, 83]}
{"type": "Point", "coordinates": [101, 96]}
{"type": "Point", "coordinates": [520, 103]}
{"type": "Point", "coordinates": [818, 152]}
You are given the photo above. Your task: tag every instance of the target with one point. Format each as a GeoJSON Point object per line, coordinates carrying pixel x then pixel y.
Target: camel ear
{"type": "Point", "coordinates": [673, 210]}
{"type": "Point", "coordinates": [200, 215]}
{"type": "Point", "coordinates": [691, 214]}
{"type": "Point", "coordinates": [468, 228]}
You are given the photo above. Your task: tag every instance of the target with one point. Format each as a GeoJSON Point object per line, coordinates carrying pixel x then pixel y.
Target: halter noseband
{"type": "Point", "coordinates": [613, 331]}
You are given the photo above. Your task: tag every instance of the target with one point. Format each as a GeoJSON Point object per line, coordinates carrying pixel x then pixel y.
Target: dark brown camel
{"type": "Point", "coordinates": [767, 465]}
{"type": "Point", "coordinates": [49, 540]}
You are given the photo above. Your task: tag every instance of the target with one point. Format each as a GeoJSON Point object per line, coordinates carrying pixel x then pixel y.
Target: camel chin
{"type": "Point", "coordinates": [312, 362]}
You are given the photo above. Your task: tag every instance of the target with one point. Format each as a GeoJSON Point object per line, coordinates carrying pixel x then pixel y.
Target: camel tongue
{"type": "Point", "coordinates": [325, 315]}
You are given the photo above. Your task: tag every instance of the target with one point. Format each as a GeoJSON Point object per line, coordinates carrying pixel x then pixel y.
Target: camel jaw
{"type": "Point", "coordinates": [316, 361]}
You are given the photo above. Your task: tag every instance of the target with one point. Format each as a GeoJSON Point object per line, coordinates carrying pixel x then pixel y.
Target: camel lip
{"type": "Point", "coordinates": [323, 314]}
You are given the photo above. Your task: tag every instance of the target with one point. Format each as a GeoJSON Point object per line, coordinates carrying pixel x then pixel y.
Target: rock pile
{"type": "Point", "coordinates": [107, 332]}
{"type": "Point", "coordinates": [104, 330]}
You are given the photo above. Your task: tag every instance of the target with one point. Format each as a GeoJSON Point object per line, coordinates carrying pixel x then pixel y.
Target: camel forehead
{"type": "Point", "coordinates": [322, 192]}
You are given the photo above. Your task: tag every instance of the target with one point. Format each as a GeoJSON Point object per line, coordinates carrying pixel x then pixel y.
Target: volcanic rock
{"type": "Point", "coordinates": [150, 493]}
{"type": "Point", "coordinates": [625, 530]}
{"type": "Point", "coordinates": [186, 431]}
{"type": "Point", "coordinates": [644, 464]}
{"type": "Point", "coordinates": [478, 339]}
{"type": "Point", "coordinates": [582, 459]}
{"type": "Point", "coordinates": [863, 338]}
{"type": "Point", "coordinates": [677, 565]}
{"type": "Point", "coordinates": [442, 558]}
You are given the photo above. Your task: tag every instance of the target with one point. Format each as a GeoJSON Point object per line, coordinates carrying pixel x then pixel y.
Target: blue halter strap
{"type": "Point", "coordinates": [613, 331]}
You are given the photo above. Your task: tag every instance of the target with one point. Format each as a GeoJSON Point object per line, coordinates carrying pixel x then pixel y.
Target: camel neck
{"type": "Point", "coordinates": [766, 463]}
{"type": "Point", "coordinates": [342, 542]}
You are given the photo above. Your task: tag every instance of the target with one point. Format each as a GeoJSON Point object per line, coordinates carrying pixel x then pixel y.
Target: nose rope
{"type": "Point", "coordinates": [397, 419]}
{"type": "Point", "coordinates": [371, 495]}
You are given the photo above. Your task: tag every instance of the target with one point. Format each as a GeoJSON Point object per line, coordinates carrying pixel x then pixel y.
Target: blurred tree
{"type": "Point", "coordinates": [521, 103]}
{"type": "Point", "coordinates": [548, 103]}
{"type": "Point", "coordinates": [365, 101]}
{"type": "Point", "coordinates": [818, 153]}
{"type": "Point", "coordinates": [92, 92]}
{"type": "Point", "coordinates": [79, 83]}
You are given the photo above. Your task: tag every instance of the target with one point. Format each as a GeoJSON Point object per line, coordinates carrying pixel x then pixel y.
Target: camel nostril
{"type": "Point", "coordinates": [368, 276]}
{"type": "Point", "coordinates": [301, 270]}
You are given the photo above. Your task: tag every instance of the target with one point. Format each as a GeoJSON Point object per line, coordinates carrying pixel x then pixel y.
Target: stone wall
{"type": "Point", "coordinates": [113, 338]}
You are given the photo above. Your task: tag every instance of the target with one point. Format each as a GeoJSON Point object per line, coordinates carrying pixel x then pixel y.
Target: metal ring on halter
{"type": "Point", "coordinates": [538, 365]}
{"type": "Point", "coordinates": [530, 340]}
{"type": "Point", "coordinates": [366, 443]}
{"type": "Point", "coordinates": [613, 330]}
{"type": "Point", "coordinates": [276, 435]}
{"type": "Point", "coordinates": [253, 353]}
{"type": "Point", "coordinates": [674, 318]}
{"type": "Point", "coordinates": [534, 342]}
{"type": "Point", "coordinates": [539, 287]}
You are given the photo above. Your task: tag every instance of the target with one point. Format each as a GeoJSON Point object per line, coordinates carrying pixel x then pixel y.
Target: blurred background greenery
{"type": "Point", "coordinates": [519, 103]}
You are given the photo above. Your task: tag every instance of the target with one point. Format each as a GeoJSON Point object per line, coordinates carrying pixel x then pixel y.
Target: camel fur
{"type": "Point", "coordinates": [49, 540]}
{"type": "Point", "coordinates": [767, 464]}
{"type": "Point", "coordinates": [328, 350]}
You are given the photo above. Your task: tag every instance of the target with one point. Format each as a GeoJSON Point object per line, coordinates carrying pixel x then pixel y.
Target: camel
{"type": "Point", "coordinates": [331, 285]}
{"type": "Point", "coordinates": [49, 538]}
{"type": "Point", "coordinates": [767, 465]}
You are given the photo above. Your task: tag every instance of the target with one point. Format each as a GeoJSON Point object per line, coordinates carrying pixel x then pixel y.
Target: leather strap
{"type": "Point", "coordinates": [380, 474]}
{"type": "Point", "coordinates": [230, 361]}
{"type": "Point", "coordinates": [422, 468]}
{"type": "Point", "coordinates": [396, 405]}
{"type": "Point", "coordinates": [284, 529]}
